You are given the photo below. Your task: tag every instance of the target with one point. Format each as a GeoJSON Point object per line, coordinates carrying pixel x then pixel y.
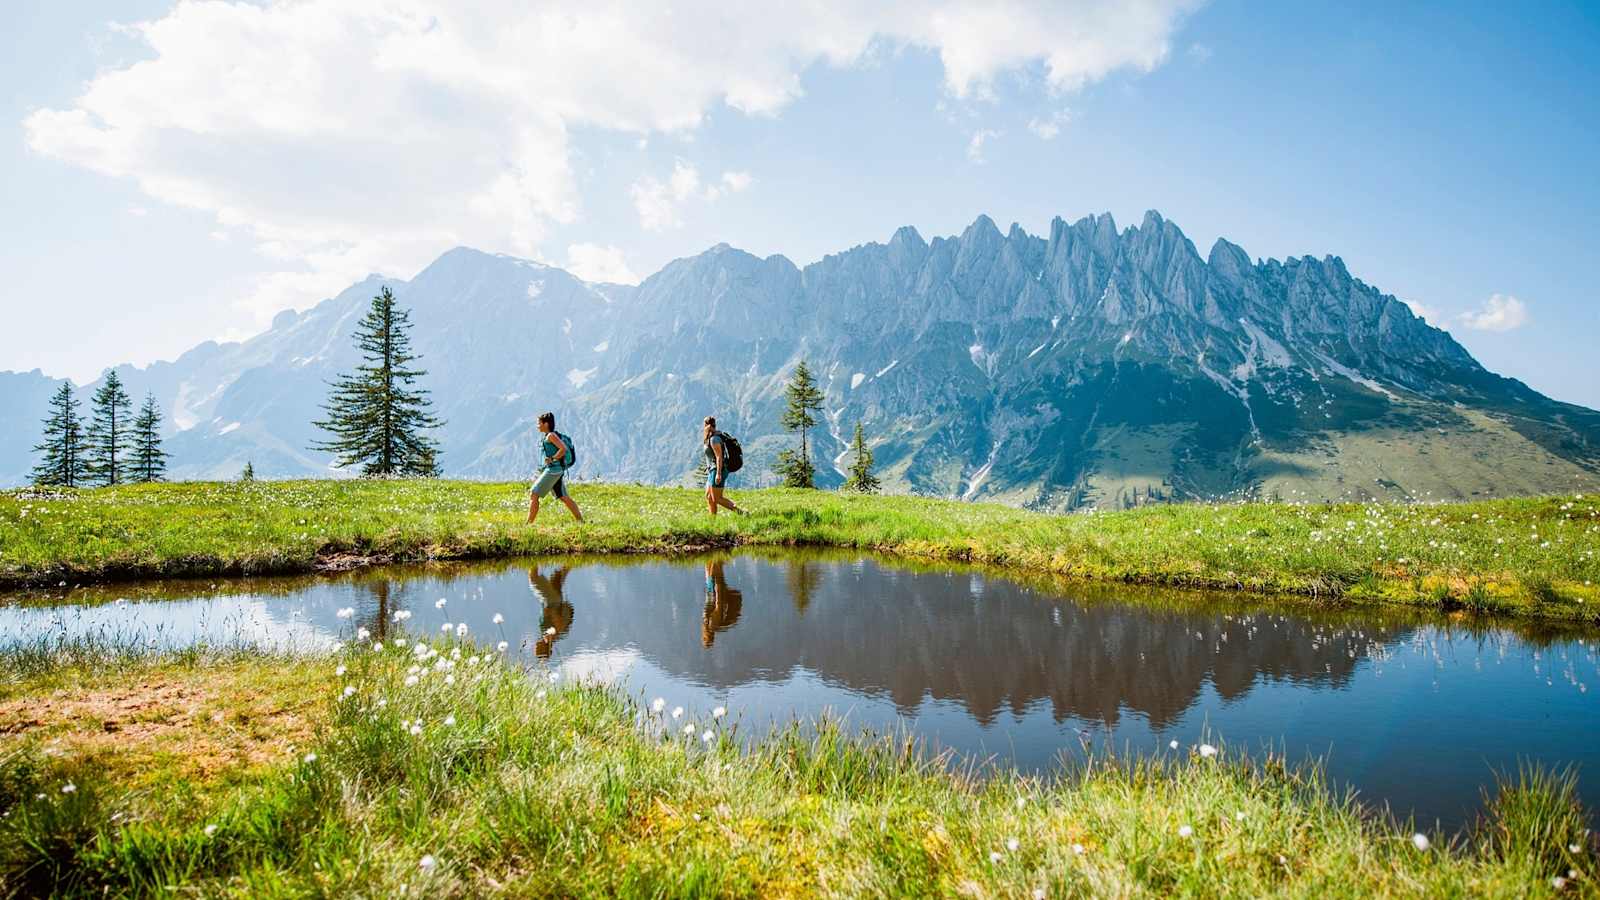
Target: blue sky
{"type": "Point", "coordinates": [1445, 153]}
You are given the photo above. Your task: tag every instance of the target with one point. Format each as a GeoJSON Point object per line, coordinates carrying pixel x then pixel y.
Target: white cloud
{"type": "Point", "coordinates": [594, 262]}
{"type": "Point", "coordinates": [1200, 52]}
{"type": "Point", "coordinates": [1048, 127]}
{"type": "Point", "coordinates": [976, 142]}
{"type": "Point", "coordinates": [352, 136]}
{"type": "Point", "coordinates": [138, 211]}
{"type": "Point", "coordinates": [659, 202]}
{"type": "Point", "coordinates": [1501, 312]}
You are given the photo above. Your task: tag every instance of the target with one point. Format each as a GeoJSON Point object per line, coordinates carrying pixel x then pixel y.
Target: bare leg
{"type": "Point", "coordinates": [533, 507]}
{"type": "Point", "coordinates": [725, 503]}
{"type": "Point", "coordinates": [711, 500]}
{"type": "Point", "coordinates": [572, 508]}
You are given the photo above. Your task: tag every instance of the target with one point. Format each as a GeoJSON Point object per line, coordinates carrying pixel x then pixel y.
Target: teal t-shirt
{"type": "Point", "coordinates": [552, 453]}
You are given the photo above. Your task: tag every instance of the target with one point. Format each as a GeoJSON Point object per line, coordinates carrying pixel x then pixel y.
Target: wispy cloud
{"type": "Point", "coordinates": [1501, 312]}
{"type": "Point", "coordinates": [596, 262]}
{"type": "Point", "coordinates": [659, 201]}
{"type": "Point", "coordinates": [1049, 126]}
{"type": "Point", "coordinates": [1200, 52]}
{"type": "Point", "coordinates": [976, 143]}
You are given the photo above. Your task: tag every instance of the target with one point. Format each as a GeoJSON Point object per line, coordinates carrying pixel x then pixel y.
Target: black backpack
{"type": "Point", "coordinates": [732, 453]}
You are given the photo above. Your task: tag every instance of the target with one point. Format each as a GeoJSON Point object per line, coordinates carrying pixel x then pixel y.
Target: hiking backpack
{"type": "Point", "coordinates": [571, 456]}
{"type": "Point", "coordinates": [732, 453]}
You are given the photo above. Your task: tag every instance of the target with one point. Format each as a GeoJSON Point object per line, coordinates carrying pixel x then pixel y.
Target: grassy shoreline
{"type": "Point", "coordinates": [1532, 556]}
{"type": "Point", "coordinates": [481, 778]}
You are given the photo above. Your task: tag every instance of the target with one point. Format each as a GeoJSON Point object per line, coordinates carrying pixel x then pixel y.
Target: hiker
{"type": "Point", "coordinates": [558, 458]}
{"type": "Point", "coordinates": [723, 457]}
{"type": "Point", "coordinates": [723, 604]}
{"type": "Point", "coordinates": [555, 617]}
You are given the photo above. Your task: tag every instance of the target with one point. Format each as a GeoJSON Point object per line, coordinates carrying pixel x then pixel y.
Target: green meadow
{"type": "Point", "coordinates": [1531, 556]}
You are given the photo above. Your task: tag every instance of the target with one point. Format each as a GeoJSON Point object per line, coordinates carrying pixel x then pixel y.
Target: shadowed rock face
{"type": "Point", "coordinates": [1049, 371]}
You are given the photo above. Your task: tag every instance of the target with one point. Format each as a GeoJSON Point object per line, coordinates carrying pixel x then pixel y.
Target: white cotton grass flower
{"type": "Point", "coordinates": [428, 863]}
{"type": "Point", "coordinates": [449, 679]}
{"type": "Point", "coordinates": [1172, 744]}
{"type": "Point", "coordinates": [69, 788]}
{"type": "Point", "coordinates": [1012, 844]}
{"type": "Point", "coordinates": [400, 615]}
{"type": "Point", "coordinates": [1420, 841]}
{"type": "Point", "coordinates": [677, 712]}
{"type": "Point", "coordinates": [349, 690]}
{"type": "Point", "coordinates": [377, 646]}
{"type": "Point", "coordinates": [461, 629]}
{"type": "Point", "coordinates": [1077, 849]}
{"type": "Point", "coordinates": [1238, 816]}
{"type": "Point", "coordinates": [362, 633]}
{"type": "Point", "coordinates": [439, 603]}
{"type": "Point", "coordinates": [411, 680]}
{"type": "Point", "coordinates": [346, 612]}
{"type": "Point", "coordinates": [340, 670]}
{"type": "Point", "coordinates": [995, 856]}
{"type": "Point", "coordinates": [1558, 882]}
{"type": "Point", "coordinates": [445, 628]}
{"type": "Point", "coordinates": [658, 704]}
{"type": "Point", "coordinates": [498, 619]}
{"type": "Point", "coordinates": [416, 729]}
{"type": "Point", "coordinates": [310, 758]}
{"type": "Point", "coordinates": [689, 728]}
{"type": "Point", "coordinates": [502, 646]}
{"type": "Point", "coordinates": [1021, 802]}
{"type": "Point", "coordinates": [1207, 751]}
{"type": "Point", "coordinates": [1185, 831]}
{"type": "Point", "coordinates": [450, 720]}
{"type": "Point", "coordinates": [539, 694]}
{"type": "Point", "coordinates": [1574, 848]}
{"type": "Point", "coordinates": [707, 736]}
{"type": "Point", "coordinates": [211, 829]}
{"type": "Point", "coordinates": [1038, 894]}
{"type": "Point", "coordinates": [719, 712]}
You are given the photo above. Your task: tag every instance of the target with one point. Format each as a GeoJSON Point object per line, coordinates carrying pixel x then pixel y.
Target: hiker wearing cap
{"type": "Point", "coordinates": [723, 457]}
{"type": "Point", "coordinates": [559, 456]}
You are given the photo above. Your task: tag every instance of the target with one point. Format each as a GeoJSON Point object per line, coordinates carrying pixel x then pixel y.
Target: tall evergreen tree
{"type": "Point", "coordinates": [376, 416]}
{"type": "Point", "coordinates": [110, 432]}
{"type": "Point", "coordinates": [64, 461]}
{"type": "Point", "coordinates": [804, 398]}
{"type": "Point", "coordinates": [248, 473]}
{"type": "Point", "coordinates": [861, 478]}
{"type": "Point", "coordinates": [149, 460]}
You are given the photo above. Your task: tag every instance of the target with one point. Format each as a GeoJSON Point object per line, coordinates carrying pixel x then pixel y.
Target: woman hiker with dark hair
{"type": "Point", "coordinates": [717, 468]}
{"type": "Point", "coordinates": [558, 456]}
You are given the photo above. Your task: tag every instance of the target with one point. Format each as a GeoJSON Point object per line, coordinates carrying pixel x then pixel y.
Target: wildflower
{"type": "Point", "coordinates": [719, 712]}
{"type": "Point", "coordinates": [1558, 882]}
{"type": "Point", "coordinates": [450, 719]}
{"type": "Point", "coordinates": [449, 679]}
{"type": "Point", "coordinates": [1021, 802]}
{"type": "Point", "coordinates": [1077, 849]}
{"type": "Point", "coordinates": [411, 680]}
{"type": "Point", "coordinates": [1573, 848]}
{"type": "Point", "coordinates": [362, 633]}
{"type": "Point", "coordinates": [1038, 894]}
{"type": "Point", "coordinates": [1207, 751]}
{"type": "Point", "coordinates": [339, 671]}
{"type": "Point", "coordinates": [399, 642]}
{"type": "Point", "coordinates": [502, 646]}
{"type": "Point", "coordinates": [1238, 817]}
{"type": "Point", "coordinates": [377, 646]}
{"type": "Point", "coordinates": [1012, 844]}
{"type": "Point", "coordinates": [995, 856]}
{"type": "Point", "coordinates": [349, 689]}
{"type": "Point", "coordinates": [498, 618]}
{"type": "Point", "coordinates": [472, 660]}
{"type": "Point", "coordinates": [461, 630]}
{"type": "Point", "coordinates": [539, 695]}
{"type": "Point", "coordinates": [1172, 744]}
{"type": "Point", "coordinates": [445, 628]}
{"type": "Point", "coordinates": [400, 615]}
{"type": "Point", "coordinates": [1420, 841]}
{"type": "Point", "coordinates": [346, 612]}
{"type": "Point", "coordinates": [707, 735]}
{"type": "Point", "coordinates": [428, 862]}
{"type": "Point", "coordinates": [689, 728]}
{"type": "Point", "coordinates": [658, 704]}
{"type": "Point", "coordinates": [1185, 831]}
{"type": "Point", "coordinates": [210, 830]}
{"type": "Point", "coordinates": [554, 676]}
{"type": "Point", "coordinates": [677, 712]}
{"type": "Point", "coordinates": [416, 729]}
{"type": "Point", "coordinates": [310, 758]}
{"type": "Point", "coordinates": [439, 603]}
{"type": "Point", "coordinates": [69, 788]}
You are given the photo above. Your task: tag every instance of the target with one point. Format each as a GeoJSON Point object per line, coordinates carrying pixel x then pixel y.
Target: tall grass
{"type": "Point", "coordinates": [482, 778]}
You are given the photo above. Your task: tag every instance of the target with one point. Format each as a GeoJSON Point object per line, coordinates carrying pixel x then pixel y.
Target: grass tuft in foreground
{"type": "Point", "coordinates": [439, 768]}
{"type": "Point", "coordinates": [1532, 556]}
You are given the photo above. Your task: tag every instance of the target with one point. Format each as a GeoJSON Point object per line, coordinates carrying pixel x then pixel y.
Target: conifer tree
{"type": "Point", "coordinates": [249, 472]}
{"type": "Point", "coordinates": [376, 417]}
{"type": "Point", "coordinates": [804, 398]}
{"type": "Point", "coordinates": [64, 463]}
{"type": "Point", "coordinates": [110, 432]}
{"type": "Point", "coordinates": [149, 460]}
{"type": "Point", "coordinates": [861, 478]}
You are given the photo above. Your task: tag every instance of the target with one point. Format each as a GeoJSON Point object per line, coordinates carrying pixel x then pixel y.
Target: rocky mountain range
{"type": "Point", "coordinates": [1090, 367]}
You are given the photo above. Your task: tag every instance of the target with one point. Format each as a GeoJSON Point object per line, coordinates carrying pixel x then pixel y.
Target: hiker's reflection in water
{"type": "Point", "coordinates": [722, 604]}
{"type": "Point", "coordinates": [557, 612]}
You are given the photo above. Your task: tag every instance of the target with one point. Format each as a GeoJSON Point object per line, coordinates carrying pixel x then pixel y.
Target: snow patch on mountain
{"type": "Point", "coordinates": [578, 377]}
{"type": "Point", "coordinates": [856, 379]}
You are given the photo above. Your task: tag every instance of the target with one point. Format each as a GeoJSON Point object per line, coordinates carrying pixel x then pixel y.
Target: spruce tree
{"type": "Point", "coordinates": [248, 473]}
{"type": "Point", "coordinates": [149, 460]}
{"type": "Point", "coordinates": [109, 432]}
{"type": "Point", "coordinates": [375, 416]}
{"type": "Point", "coordinates": [804, 398]}
{"type": "Point", "coordinates": [861, 478]}
{"type": "Point", "coordinates": [64, 462]}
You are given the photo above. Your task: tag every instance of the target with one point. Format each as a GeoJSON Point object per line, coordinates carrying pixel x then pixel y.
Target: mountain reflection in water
{"type": "Point", "coordinates": [1412, 709]}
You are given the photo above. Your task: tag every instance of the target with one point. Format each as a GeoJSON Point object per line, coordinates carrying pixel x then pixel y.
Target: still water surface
{"type": "Point", "coordinates": [1414, 711]}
